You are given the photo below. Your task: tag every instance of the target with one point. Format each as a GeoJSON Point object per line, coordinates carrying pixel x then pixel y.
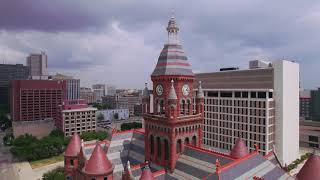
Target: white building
{"type": "Point", "coordinates": [38, 66]}
{"type": "Point", "coordinates": [73, 86]}
{"type": "Point", "coordinates": [110, 114]}
{"type": "Point", "coordinates": [111, 90]}
{"type": "Point", "coordinates": [99, 91]}
{"type": "Point", "coordinates": [260, 104]}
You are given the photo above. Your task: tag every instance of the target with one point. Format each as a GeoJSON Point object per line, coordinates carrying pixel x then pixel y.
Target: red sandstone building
{"type": "Point", "coordinates": [170, 146]}
{"type": "Point", "coordinates": [75, 116]}
{"type": "Point", "coordinates": [34, 105]}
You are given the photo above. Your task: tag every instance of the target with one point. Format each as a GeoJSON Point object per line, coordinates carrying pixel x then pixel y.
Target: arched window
{"type": "Point", "coordinates": [194, 141]}
{"type": "Point", "coordinates": [166, 149]}
{"type": "Point", "coordinates": [179, 146]}
{"type": "Point", "coordinates": [186, 141]}
{"type": "Point", "coordinates": [182, 107]}
{"type": "Point", "coordinates": [188, 106]}
{"type": "Point", "coordinates": [161, 106]}
{"type": "Point", "coordinates": [151, 144]}
{"type": "Point", "coordinates": [159, 147]}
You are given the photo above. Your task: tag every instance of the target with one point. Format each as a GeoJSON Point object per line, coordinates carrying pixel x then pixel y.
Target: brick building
{"type": "Point", "coordinates": [87, 94]}
{"type": "Point", "coordinates": [35, 100]}
{"type": "Point", "coordinates": [75, 116]}
{"type": "Point", "coordinates": [171, 141]}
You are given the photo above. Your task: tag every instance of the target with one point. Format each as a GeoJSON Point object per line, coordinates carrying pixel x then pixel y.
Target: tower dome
{"type": "Point", "coordinates": [310, 169]}
{"type": "Point", "coordinates": [172, 59]}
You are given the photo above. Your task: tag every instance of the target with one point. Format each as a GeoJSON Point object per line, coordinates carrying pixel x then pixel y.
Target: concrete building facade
{"type": "Point", "coordinates": [9, 72]}
{"type": "Point", "coordinates": [72, 85]}
{"type": "Point", "coordinates": [260, 105]}
{"type": "Point", "coordinates": [305, 105]}
{"type": "Point", "coordinates": [75, 116]}
{"type": "Point", "coordinates": [38, 66]}
{"type": "Point", "coordinates": [33, 100]}
{"type": "Point", "coordinates": [110, 114]}
{"type": "Point", "coordinates": [309, 134]}
{"type": "Point", "coordinates": [99, 91]}
{"type": "Point", "coordinates": [127, 101]}
{"type": "Point", "coordinates": [87, 94]}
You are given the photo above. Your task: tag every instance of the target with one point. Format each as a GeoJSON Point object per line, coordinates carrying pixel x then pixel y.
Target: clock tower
{"type": "Point", "coordinates": [175, 120]}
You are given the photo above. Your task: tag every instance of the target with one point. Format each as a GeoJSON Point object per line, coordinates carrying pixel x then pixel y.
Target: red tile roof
{"type": "Point", "coordinates": [310, 169]}
{"type": "Point", "coordinates": [239, 149]}
{"type": "Point", "coordinates": [74, 146]}
{"type": "Point", "coordinates": [98, 163]}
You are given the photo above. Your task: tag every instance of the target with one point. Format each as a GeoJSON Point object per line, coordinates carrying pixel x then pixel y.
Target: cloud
{"type": "Point", "coordinates": [119, 42]}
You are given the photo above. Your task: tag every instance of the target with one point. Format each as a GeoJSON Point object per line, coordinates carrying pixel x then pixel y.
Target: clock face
{"type": "Point", "coordinates": [185, 90]}
{"type": "Point", "coordinates": [159, 89]}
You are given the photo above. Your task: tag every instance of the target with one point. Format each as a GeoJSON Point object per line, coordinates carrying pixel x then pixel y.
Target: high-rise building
{"type": "Point", "coordinates": [38, 66]}
{"type": "Point", "coordinates": [305, 105]}
{"type": "Point", "coordinates": [72, 85]}
{"type": "Point", "coordinates": [111, 90]}
{"type": "Point", "coordinates": [260, 104]}
{"type": "Point", "coordinates": [34, 105]}
{"type": "Point", "coordinates": [9, 72]}
{"type": "Point", "coordinates": [127, 101]}
{"type": "Point", "coordinates": [110, 101]}
{"type": "Point", "coordinates": [87, 94]}
{"type": "Point", "coordinates": [315, 105]}
{"type": "Point", "coordinates": [99, 91]}
{"type": "Point", "coordinates": [75, 116]}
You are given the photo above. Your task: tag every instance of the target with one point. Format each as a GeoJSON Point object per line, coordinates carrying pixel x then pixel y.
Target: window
{"type": "Point", "coordinates": [237, 94]}
{"type": "Point", "coordinates": [244, 94]}
{"type": "Point", "coordinates": [262, 95]}
{"type": "Point", "coordinates": [226, 94]}
{"type": "Point", "coordinates": [212, 94]}
{"type": "Point", "coordinates": [270, 95]}
{"type": "Point", "coordinates": [313, 138]}
{"type": "Point", "coordinates": [71, 162]}
{"type": "Point", "coordinates": [253, 94]}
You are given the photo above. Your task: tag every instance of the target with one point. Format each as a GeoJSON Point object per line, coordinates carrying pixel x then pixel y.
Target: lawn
{"type": "Point", "coordinates": [45, 162]}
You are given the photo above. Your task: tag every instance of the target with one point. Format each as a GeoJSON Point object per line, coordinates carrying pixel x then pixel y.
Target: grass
{"type": "Point", "coordinates": [45, 162]}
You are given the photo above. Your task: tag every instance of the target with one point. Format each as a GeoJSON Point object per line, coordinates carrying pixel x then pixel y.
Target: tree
{"type": "Point", "coordinates": [56, 133]}
{"type": "Point", "coordinates": [55, 174]}
{"type": "Point", "coordinates": [88, 136]}
{"type": "Point", "coordinates": [128, 126]}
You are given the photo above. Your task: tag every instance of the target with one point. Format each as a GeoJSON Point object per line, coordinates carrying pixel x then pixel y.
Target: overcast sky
{"type": "Point", "coordinates": [118, 42]}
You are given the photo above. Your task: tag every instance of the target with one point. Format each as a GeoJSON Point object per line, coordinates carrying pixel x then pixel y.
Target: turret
{"type": "Point", "coordinates": [310, 170]}
{"type": "Point", "coordinates": [71, 156]}
{"type": "Point", "coordinates": [145, 100]}
{"type": "Point", "coordinates": [172, 102]}
{"type": "Point", "coordinates": [98, 166]}
{"type": "Point", "coordinates": [199, 100]}
{"type": "Point", "coordinates": [146, 174]}
{"type": "Point", "coordinates": [127, 174]}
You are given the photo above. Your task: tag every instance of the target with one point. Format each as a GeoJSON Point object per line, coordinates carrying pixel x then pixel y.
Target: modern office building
{"type": "Point", "coordinates": [309, 134]}
{"type": "Point", "coordinates": [315, 105]}
{"type": "Point", "coordinates": [9, 72]}
{"type": "Point", "coordinates": [75, 116]}
{"type": "Point", "coordinates": [127, 101]}
{"type": "Point", "coordinates": [99, 91]}
{"type": "Point", "coordinates": [260, 104]}
{"type": "Point", "coordinates": [34, 105]}
{"type": "Point", "coordinates": [305, 105]}
{"type": "Point", "coordinates": [111, 90]}
{"type": "Point", "coordinates": [137, 109]}
{"type": "Point", "coordinates": [72, 85]}
{"type": "Point", "coordinates": [110, 101]}
{"type": "Point", "coordinates": [38, 66]}
{"type": "Point", "coordinates": [87, 94]}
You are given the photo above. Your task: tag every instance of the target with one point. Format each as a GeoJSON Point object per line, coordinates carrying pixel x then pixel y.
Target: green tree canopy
{"type": "Point", "coordinates": [55, 174]}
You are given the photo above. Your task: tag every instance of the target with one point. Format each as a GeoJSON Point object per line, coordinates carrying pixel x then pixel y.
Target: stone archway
{"type": "Point", "coordinates": [179, 146]}
{"type": "Point", "coordinates": [194, 141]}
{"type": "Point", "coordinates": [151, 144]}
{"type": "Point", "coordinates": [166, 149]}
{"type": "Point", "coordinates": [186, 141]}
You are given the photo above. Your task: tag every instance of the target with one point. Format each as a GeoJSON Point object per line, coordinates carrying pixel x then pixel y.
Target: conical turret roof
{"type": "Point", "coordinates": [98, 162]}
{"type": "Point", "coordinates": [239, 149]}
{"type": "Point", "coordinates": [74, 146]}
{"type": "Point", "coordinates": [146, 174]}
{"type": "Point", "coordinates": [172, 92]}
{"type": "Point", "coordinates": [172, 59]}
{"type": "Point", "coordinates": [310, 169]}
{"type": "Point", "coordinates": [200, 94]}
{"type": "Point", "coordinates": [146, 94]}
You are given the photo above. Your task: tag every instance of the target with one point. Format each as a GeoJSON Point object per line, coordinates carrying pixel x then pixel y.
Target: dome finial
{"type": "Point", "coordinates": [200, 94]}
{"type": "Point", "coordinates": [172, 29]}
{"type": "Point", "coordinates": [172, 92]}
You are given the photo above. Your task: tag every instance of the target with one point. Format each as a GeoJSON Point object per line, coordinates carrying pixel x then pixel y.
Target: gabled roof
{"type": "Point", "coordinates": [98, 163]}
{"type": "Point", "coordinates": [239, 149]}
{"type": "Point", "coordinates": [73, 147]}
{"type": "Point", "coordinates": [311, 169]}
